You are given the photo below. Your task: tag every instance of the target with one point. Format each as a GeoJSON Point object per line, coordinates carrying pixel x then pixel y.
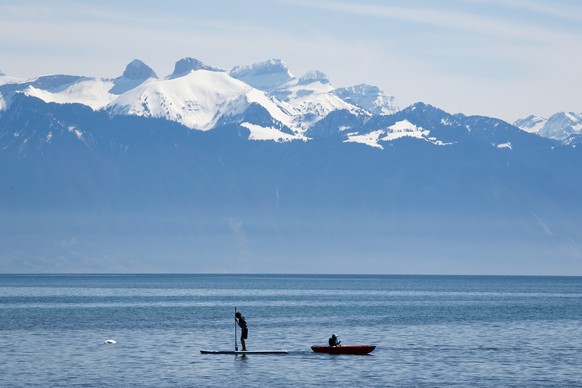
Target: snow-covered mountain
{"type": "Point", "coordinates": [96, 93]}
{"type": "Point", "coordinates": [195, 95]}
{"type": "Point", "coordinates": [265, 98]}
{"type": "Point", "coordinates": [108, 175]}
{"type": "Point", "coordinates": [201, 97]}
{"type": "Point", "coordinates": [268, 75]}
{"type": "Point", "coordinates": [187, 65]}
{"type": "Point", "coordinates": [368, 97]}
{"type": "Point", "coordinates": [531, 124]}
{"type": "Point", "coordinates": [137, 70]}
{"type": "Point", "coordinates": [5, 79]}
{"type": "Point", "coordinates": [200, 100]}
{"type": "Point", "coordinates": [311, 95]}
{"type": "Point", "coordinates": [559, 126]}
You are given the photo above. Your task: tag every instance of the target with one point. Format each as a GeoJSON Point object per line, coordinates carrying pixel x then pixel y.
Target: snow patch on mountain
{"type": "Point", "coordinates": [78, 133]}
{"type": "Point", "coordinates": [269, 133]}
{"type": "Point", "coordinates": [405, 128]}
{"type": "Point", "coordinates": [94, 93]}
{"type": "Point", "coordinates": [399, 130]}
{"type": "Point", "coordinates": [370, 139]}
{"type": "Point", "coordinates": [280, 111]}
{"type": "Point", "coordinates": [572, 141]}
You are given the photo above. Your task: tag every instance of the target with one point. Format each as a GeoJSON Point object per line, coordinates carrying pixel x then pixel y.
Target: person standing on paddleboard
{"type": "Point", "coordinates": [243, 328]}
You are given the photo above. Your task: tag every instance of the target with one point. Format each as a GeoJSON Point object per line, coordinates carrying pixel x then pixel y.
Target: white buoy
{"type": "Point", "coordinates": [110, 342]}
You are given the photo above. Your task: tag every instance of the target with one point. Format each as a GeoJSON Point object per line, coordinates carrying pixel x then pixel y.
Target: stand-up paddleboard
{"type": "Point", "coordinates": [243, 352]}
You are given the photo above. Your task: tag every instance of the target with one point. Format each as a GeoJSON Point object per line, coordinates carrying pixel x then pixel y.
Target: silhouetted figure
{"type": "Point", "coordinates": [243, 327]}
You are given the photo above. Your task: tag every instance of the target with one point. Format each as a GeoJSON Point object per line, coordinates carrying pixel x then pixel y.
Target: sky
{"type": "Point", "coordinates": [505, 59]}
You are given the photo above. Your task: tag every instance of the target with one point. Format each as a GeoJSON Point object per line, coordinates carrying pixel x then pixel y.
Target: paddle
{"type": "Point", "coordinates": [235, 343]}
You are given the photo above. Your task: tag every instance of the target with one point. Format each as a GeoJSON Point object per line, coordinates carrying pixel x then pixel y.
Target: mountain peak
{"type": "Point", "coordinates": [269, 66]}
{"type": "Point", "coordinates": [561, 125]}
{"type": "Point", "coordinates": [558, 126]}
{"type": "Point", "coordinates": [267, 75]}
{"type": "Point", "coordinates": [368, 97]}
{"type": "Point", "coordinates": [531, 124]}
{"type": "Point", "coordinates": [137, 70]}
{"type": "Point", "coordinates": [424, 107]}
{"type": "Point", "coordinates": [313, 76]}
{"type": "Point", "coordinates": [186, 65]}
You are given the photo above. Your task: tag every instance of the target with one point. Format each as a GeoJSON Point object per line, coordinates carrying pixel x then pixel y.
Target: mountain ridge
{"type": "Point", "coordinates": [269, 188]}
{"type": "Point", "coordinates": [309, 98]}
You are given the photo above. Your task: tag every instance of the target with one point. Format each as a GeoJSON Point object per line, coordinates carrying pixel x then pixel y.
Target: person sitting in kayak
{"type": "Point", "coordinates": [334, 340]}
{"type": "Point", "coordinates": [243, 328]}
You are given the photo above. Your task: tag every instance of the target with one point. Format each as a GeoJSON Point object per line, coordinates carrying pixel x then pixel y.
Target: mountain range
{"type": "Point", "coordinates": [255, 170]}
{"type": "Point", "coordinates": [559, 126]}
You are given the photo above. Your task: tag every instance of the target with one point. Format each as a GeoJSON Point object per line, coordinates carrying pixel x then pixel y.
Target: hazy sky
{"type": "Point", "coordinates": [506, 59]}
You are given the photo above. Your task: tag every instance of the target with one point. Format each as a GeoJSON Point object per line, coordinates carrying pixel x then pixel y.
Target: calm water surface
{"type": "Point", "coordinates": [429, 330]}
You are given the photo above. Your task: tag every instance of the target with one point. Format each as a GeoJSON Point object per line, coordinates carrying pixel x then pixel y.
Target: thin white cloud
{"type": "Point", "coordinates": [544, 8]}
{"type": "Point", "coordinates": [444, 18]}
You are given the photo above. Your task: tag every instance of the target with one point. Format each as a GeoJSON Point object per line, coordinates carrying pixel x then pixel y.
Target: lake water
{"type": "Point", "coordinates": [430, 331]}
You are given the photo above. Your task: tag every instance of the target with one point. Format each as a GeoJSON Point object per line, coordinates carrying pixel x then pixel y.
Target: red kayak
{"type": "Point", "coordinates": [355, 349]}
